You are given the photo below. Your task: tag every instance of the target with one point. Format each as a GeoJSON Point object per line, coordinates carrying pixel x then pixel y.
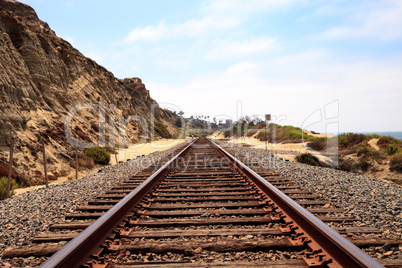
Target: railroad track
{"type": "Point", "coordinates": [204, 208]}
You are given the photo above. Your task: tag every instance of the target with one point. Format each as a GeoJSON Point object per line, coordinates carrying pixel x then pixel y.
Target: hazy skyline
{"type": "Point", "coordinates": [289, 58]}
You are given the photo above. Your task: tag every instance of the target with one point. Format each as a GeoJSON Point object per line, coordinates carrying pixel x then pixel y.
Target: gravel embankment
{"type": "Point", "coordinates": [374, 202]}
{"type": "Point", "coordinates": [23, 216]}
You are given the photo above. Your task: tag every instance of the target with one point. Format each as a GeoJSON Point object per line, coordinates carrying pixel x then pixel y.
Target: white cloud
{"type": "Point", "coordinates": [215, 16]}
{"type": "Point", "coordinates": [381, 20]}
{"type": "Point", "coordinates": [148, 33]}
{"type": "Point", "coordinates": [368, 91]}
{"type": "Point", "coordinates": [195, 28]}
{"type": "Point", "coordinates": [241, 49]}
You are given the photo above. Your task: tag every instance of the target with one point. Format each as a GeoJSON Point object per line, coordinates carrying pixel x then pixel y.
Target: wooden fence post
{"type": "Point", "coordinates": [44, 162]}
{"type": "Point", "coordinates": [115, 154]}
{"type": "Point", "coordinates": [10, 168]}
{"type": "Point", "coordinates": [76, 163]}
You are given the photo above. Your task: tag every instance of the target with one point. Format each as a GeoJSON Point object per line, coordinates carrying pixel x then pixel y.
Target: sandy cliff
{"type": "Point", "coordinates": [42, 77]}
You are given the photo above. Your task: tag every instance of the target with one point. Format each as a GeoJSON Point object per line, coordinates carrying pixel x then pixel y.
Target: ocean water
{"type": "Point", "coordinates": [395, 134]}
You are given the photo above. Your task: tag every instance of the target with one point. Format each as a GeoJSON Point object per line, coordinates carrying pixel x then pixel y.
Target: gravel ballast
{"type": "Point", "coordinates": [375, 202]}
{"type": "Point", "coordinates": [25, 215]}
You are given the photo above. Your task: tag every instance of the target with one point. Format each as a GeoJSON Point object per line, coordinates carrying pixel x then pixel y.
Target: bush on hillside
{"type": "Point", "coordinates": [83, 161]}
{"type": "Point", "coordinates": [22, 179]}
{"type": "Point", "coordinates": [285, 133]}
{"type": "Point", "coordinates": [3, 187]}
{"type": "Point", "coordinates": [179, 122]}
{"type": "Point", "coordinates": [99, 155]}
{"type": "Point", "coordinates": [251, 132]}
{"type": "Point", "coordinates": [162, 131]}
{"type": "Point", "coordinates": [347, 164]}
{"type": "Point", "coordinates": [308, 159]}
{"type": "Point", "coordinates": [349, 139]}
{"type": "Point", "coordinates": [318, 145]}
{"type": "Point", "coordinates": [373, 136]}
{"type": "Point", "coordinates": [384, 141]}
{"type": "Point", "coordinates": [369, 152]}
{"type": "Point", "coordinates": [396, 163]}
{"type": "Point", "coordinates": [4, 172]}
{"type": "Point", "coordinates": [294, 133]}
{"type": "Point", "coordinates": [110, 150]}
{"type": "Point", "coordinates": [391, 149]}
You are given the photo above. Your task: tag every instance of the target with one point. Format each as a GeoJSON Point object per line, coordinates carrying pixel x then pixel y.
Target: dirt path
{"type": "Point", "coordinates": [373, 143]}
{"type": "Point", "coordinates": [130, 153]}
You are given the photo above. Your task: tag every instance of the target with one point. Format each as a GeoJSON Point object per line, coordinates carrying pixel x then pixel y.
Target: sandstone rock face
{"type": "Point", "coordinates": [42, 77]}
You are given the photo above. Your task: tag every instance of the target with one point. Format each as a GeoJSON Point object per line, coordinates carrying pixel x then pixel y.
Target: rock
{"type": "Point", "coordinates": [189, 252]}
{"type": "Point", "coordinates": [205, 215]}
{"type": "Point", "coordinates": [386, 247]}
{"type": "Point", "coordinates": [198, 250]}
{"type": "Point", "coordinates": [249, 236]}
{"type": "Point", "coordinates": [210, 259]}
{"type": "Point", "coordinates": [388, 253]}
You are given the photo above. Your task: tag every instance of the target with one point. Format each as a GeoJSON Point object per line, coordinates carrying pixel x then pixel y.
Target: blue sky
{"type": "Point", "coordinates": [322, 65]}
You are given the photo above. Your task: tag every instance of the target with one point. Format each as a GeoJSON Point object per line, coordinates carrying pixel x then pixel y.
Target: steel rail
{"type": "Point", "coordinates": [78, 251]}
{"type": "Point", "coordinates": [322, 239]}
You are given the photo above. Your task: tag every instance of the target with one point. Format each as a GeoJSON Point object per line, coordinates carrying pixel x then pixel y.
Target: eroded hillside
{"type": "Point", "coordinates": [43, 77]}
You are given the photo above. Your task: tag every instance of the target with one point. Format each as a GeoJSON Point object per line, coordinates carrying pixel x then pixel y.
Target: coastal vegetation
{"type": "Point", "coordinates": [275, 132]}
{"type": "Point", "coordinates": [3, 187]}
{"type": "Point", "coordinates": [161, 130]}
{"type": "Point", "coordinates": [99, 155]}
{"type": "Point", "coordinates": [309, 159]}
{"type": "Point", "coordinates": [364, 153]}
{"type": "Point", "coordinates": [395, 163]}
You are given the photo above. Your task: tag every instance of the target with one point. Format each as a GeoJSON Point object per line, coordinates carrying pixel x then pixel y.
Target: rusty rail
{"type": "Point", "coordinates": [328, 247]}
{"type": "Point", "coordinates": [78, 250]}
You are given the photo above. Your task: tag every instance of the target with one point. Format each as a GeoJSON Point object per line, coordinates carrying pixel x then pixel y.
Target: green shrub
{"type": "Point", "coordinates": [3, 187]}
{"type": "Point", "coordinates": [294, 132]}
{"type": "Point", "coordinates": [349, 139]}
{"type": "Point", "coordinates": [179, 122]}
{"type": "Point", "coordinates": [373, 136]}
{"type": "Point", "coordinates": [162, 131]}
{"type": "Point", "coordinates": [368, 152]}
{"type": "Point", "coordinates": [318, 145]}
{"type": "Point", "coordinates": [308, 159]}
{"type": "Point", "coordinates": [391, 149]}
{"type": "Point", "coordinates": [83, 161]}
{"type": "Point", "coordinates": [396, 162]}
{"type": "Point", "coordinates": [99, 155]}
{"type": "Point", "coordinates": [285, 133]}
{"type": "Point", "coordinates": [384, 141]}
{"type": "Point", "coordinates": [364, 163]}
{"type": "Point", "coordinates": [363, 151]}
{"type": "Point", "coordinates": [110, 150]}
